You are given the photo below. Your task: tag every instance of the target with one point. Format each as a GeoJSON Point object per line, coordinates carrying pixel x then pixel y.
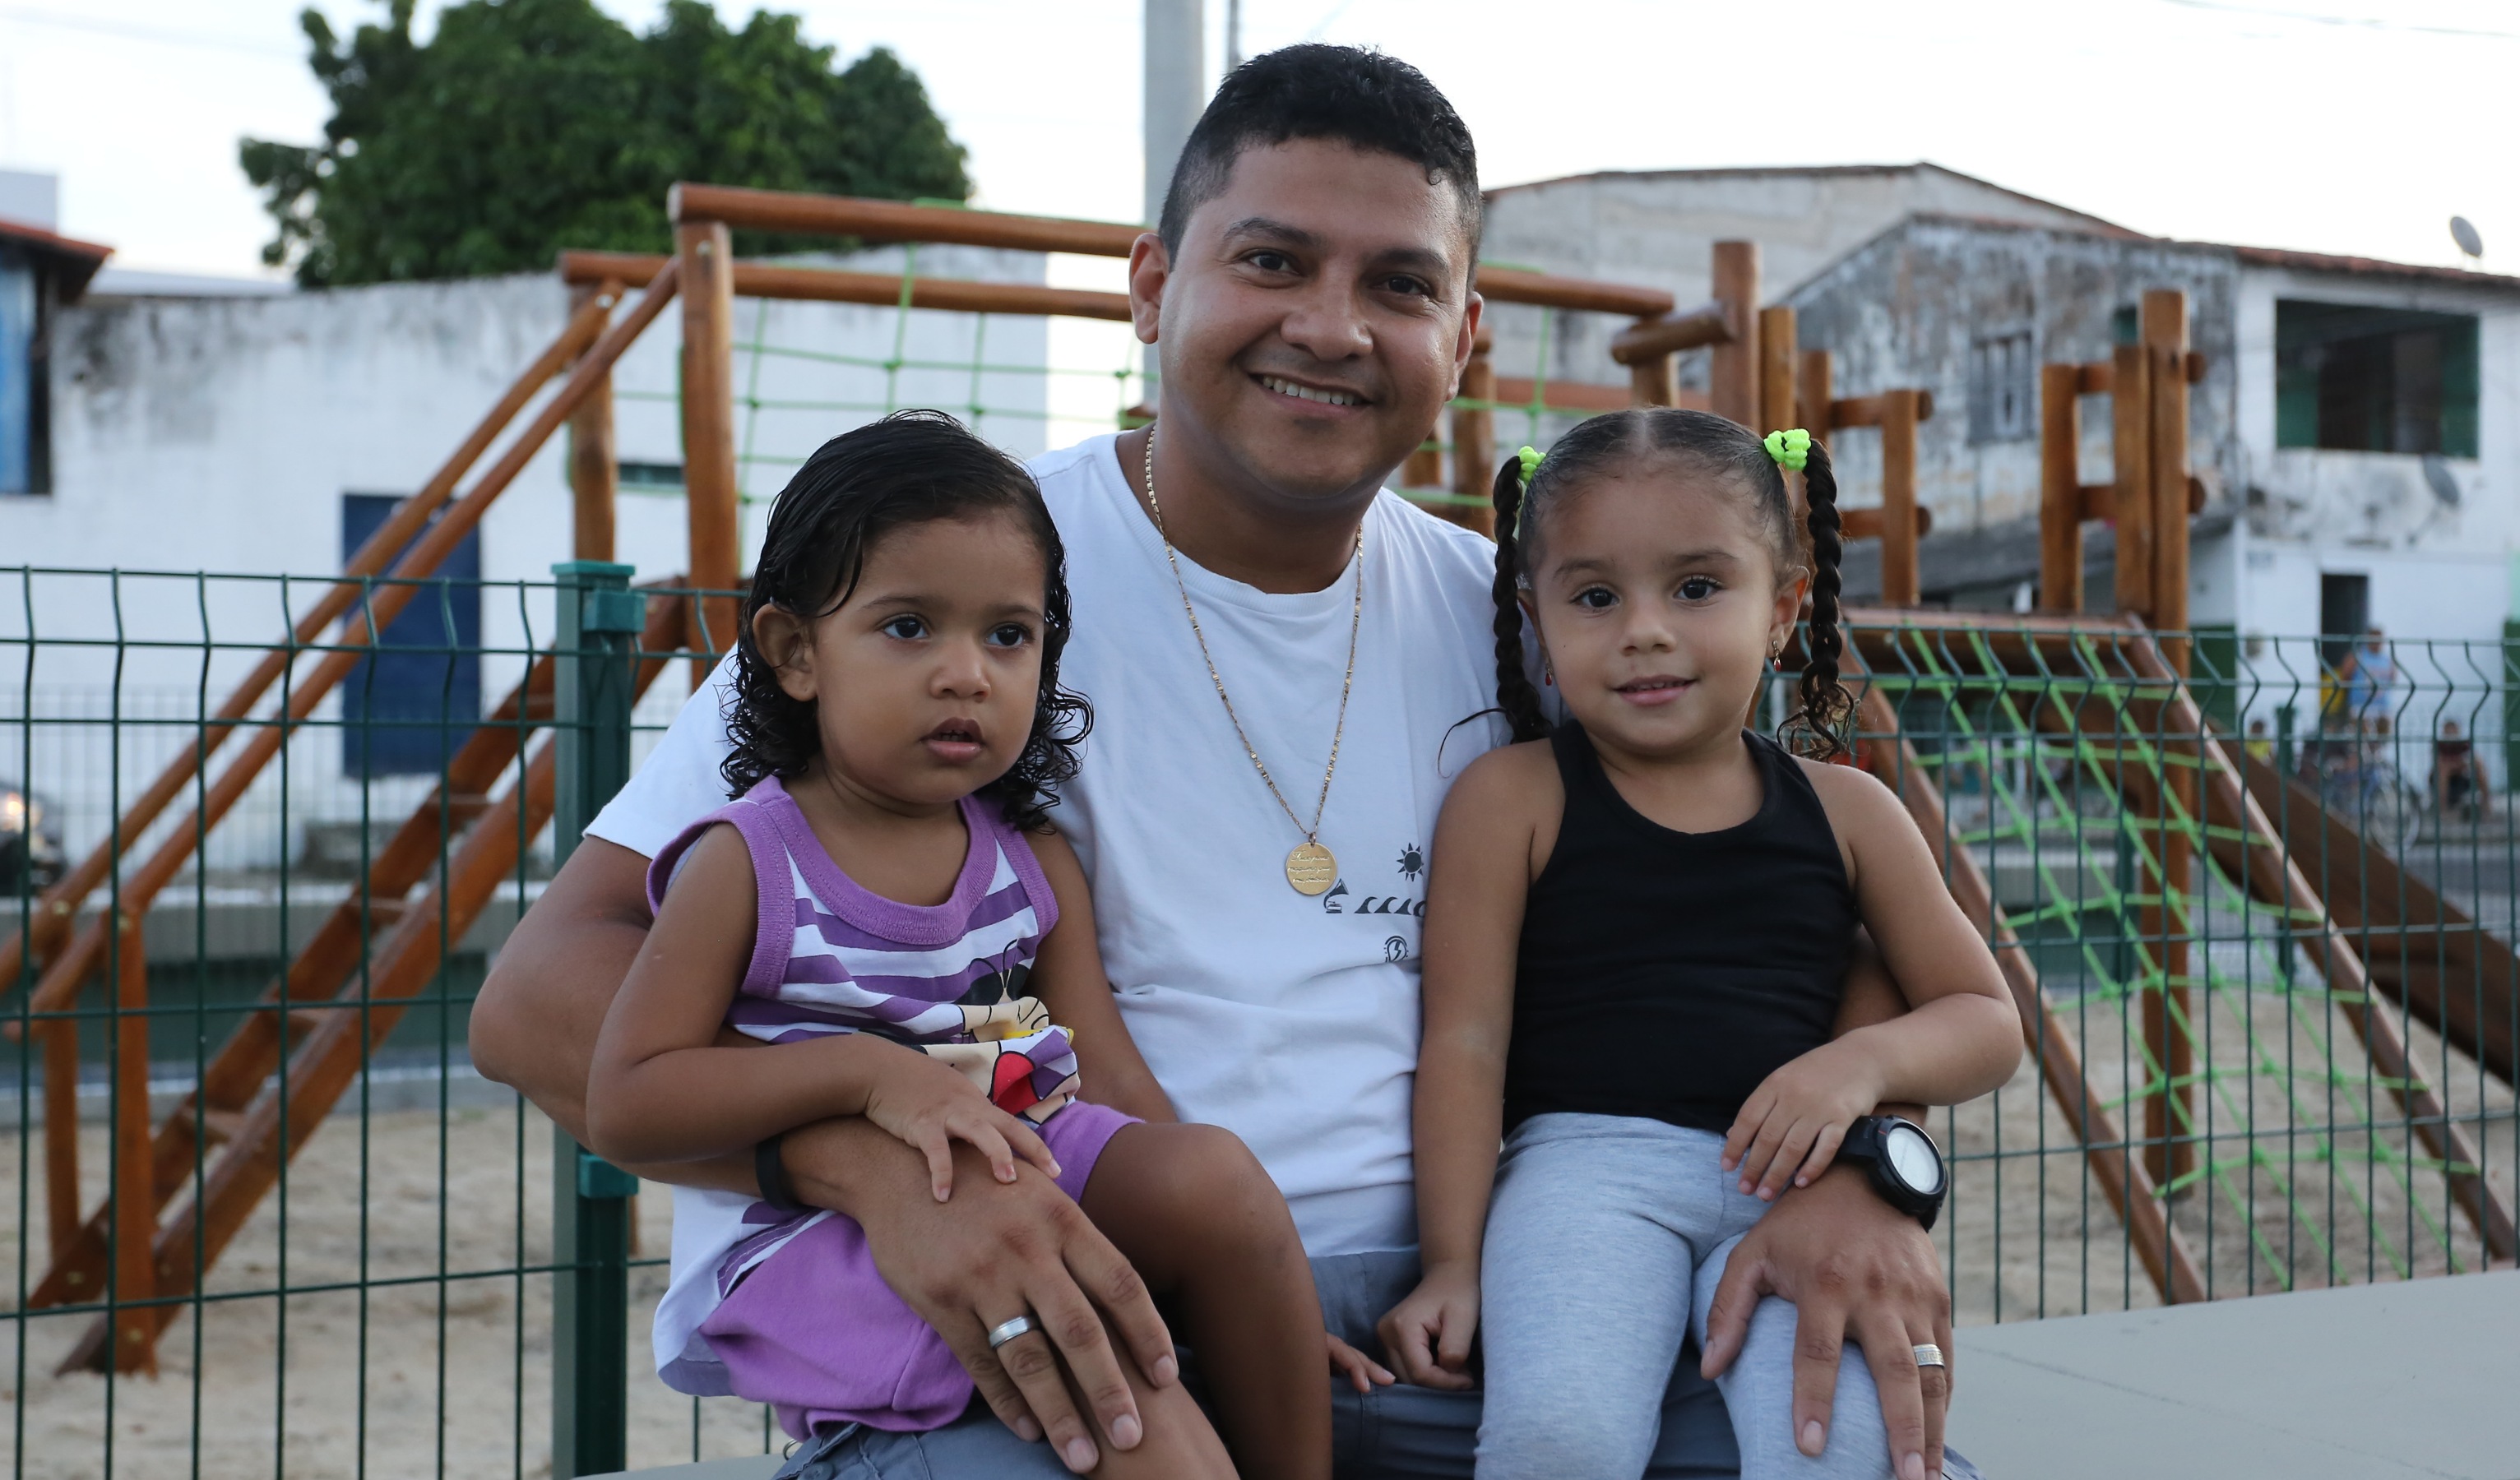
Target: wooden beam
{"type": "Point", "coordinates": [779, 210]}
{"type": "Point", "coordinates": [2099, 501]}
{"type": "Point", "coordinates": [2131, 416]}
{"type": "Point", "coordinates": [1867, 411]}
{"type": "Point", "coordinates": [1776, 346]}
{"type": "Point", "coordinates": [816, 215]}
{"type": "Point", "coordinates": [594, 469]}
{"type": "Point", "coordinates": [1898, 576]}
{"type": "Point", "coordinates": [1813, 377]}
{"type": "Point", "coordinates": [1540, 289]}
{"type": "Point", "coordinates": [2060, 507]}
{"type": "Point", "coordinates": [134, 1194]}
{"type": "Point", "coordinates": [710, 484]}
{"type": "Point", "coordinates": [1733, 364]}
{"type": "Point", "coordinates": [1561, 395]}
{"type": "Point", "coordinates": [2165, 338]}
{"type": "Point", "coordinates": [1649, 339]}
{"type": "Point", "coordinates": [1868, 522]}
{"type": "Point", "coordinates": [1474, 449]}
{"type": "Point", "coordinates": [1650, 383]}
{"type": "Point", "coordinates": [829, 285]}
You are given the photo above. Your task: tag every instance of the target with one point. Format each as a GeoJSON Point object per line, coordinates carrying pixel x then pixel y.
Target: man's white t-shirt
{"type": "Point", "coordinates": [1291, 1021]}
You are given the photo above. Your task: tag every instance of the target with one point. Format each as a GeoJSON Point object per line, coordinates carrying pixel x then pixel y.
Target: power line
{"type": "Point", "coordinates": [94, 26]}
{"type": "Point", "coordinates": [2357, 23]}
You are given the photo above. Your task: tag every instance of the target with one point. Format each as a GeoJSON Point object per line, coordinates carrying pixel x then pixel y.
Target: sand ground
{"type": "Point", "coordinates": [441, 1365]}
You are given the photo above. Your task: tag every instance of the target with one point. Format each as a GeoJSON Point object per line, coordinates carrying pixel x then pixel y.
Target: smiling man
{"type": "Point", "coordinates": [1282, 657]}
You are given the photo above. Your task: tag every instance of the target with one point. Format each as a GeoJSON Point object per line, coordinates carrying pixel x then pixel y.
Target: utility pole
{"type": "Point", "coordinates": [1176, 89]}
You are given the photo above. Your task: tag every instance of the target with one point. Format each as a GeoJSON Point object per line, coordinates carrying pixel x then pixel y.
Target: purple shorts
{"type": "Point", "coordinates": [815, 1332]}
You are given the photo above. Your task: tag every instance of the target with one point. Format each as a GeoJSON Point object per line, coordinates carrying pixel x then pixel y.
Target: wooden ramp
{"type": "Point", "coordinates": [2455, 976]}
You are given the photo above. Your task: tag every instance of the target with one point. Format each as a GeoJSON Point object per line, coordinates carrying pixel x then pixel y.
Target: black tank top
{"type": "Point", "coordinates": [1664, 974]}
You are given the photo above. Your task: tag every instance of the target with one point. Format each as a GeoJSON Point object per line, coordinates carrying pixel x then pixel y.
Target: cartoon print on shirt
{"type": "Point", "coordinates": [1412, 862]}
{"type": "Point", "coordinates": [1396, 948]}
{"type": "Point", "coordinates": [1330, 901]}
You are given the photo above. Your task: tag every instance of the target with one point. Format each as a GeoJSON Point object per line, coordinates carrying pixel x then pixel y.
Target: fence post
{"type": "Point", "coordinates": [600, 620]}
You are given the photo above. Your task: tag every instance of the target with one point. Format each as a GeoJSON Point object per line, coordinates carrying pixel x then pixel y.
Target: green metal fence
{"type": "Point", "coordinates": [434, 1282]}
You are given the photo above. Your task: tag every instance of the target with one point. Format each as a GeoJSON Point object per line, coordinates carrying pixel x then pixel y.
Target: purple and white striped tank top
{"type": "Point", "coordinates": [830, 957]}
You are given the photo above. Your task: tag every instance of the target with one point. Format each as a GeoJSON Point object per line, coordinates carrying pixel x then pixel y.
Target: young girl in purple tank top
{"type": "Point", "coordinates": [881, 923]}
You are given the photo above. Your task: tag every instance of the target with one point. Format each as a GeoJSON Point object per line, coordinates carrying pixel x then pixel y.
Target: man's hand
{"type": "Point", "coordinates": [1000, 1250]}
{"type": "Point", "coordinates": [1854, 1268]}
{"type": "Point", "coordinates": [1427, 1335]}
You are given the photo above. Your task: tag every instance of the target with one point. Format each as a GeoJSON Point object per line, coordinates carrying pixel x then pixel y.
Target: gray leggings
{"type": "Point", "coordinates": [1604, 1243]}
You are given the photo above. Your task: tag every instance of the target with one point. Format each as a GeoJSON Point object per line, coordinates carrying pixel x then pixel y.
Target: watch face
{"type": "Point", "coordinates": [1912, 1158]}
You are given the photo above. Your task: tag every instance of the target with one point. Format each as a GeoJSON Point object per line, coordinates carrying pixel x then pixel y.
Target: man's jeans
{"type": "Point", "coordinates": [1393, 1433]}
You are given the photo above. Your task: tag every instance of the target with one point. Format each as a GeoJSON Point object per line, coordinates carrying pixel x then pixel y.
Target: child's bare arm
{"type": "Point", "coordinates": [1479, 876]}
{"type": "Point", "coordinates": [660, 1088]}
{"type": "Point", "coordinates": [1960, 1039]}
{"type": "Point", "coordinates": [1069, 978]}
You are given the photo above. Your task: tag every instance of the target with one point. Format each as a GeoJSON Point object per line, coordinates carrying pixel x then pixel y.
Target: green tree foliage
{"type": "Point", "coordinates": [524, 126]}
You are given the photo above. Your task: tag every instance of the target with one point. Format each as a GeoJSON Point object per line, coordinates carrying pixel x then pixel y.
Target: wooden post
{"type": "Point", "coordinates": [2060, 489]}
{"type": "Point", "coordinates": [2170, 1119]}
{"type": "Point", "coordinates": [2165, 342]}
{"type": "Point", "coordinates": [1776, 371]}
{"type": "Point", "coordinates": [709, 428]}
{"type": "Point", "coordinates": [1424, 469]}
{"type": "Point", "coordinates": [1899, 583]}
{"type": "Point", "coordinates": [1733, 369]}
{"type": "Point", "coordinates": [594, 476]}
{"type": "Point", "coordinates": [1814, 386]}
{"type": "Point", "coordinates": [1474, 447]}
{"type": "Point", "coordinates": [1813, 382]}
{"type": "Point", "coordinates": [1650, 383]}
{"type": "Point", "coordinates": [2130, 443]}
{"type": "Point", "coordinates": [135, 1202]}
{"type": "Point", "coordinates": [61, 1134]}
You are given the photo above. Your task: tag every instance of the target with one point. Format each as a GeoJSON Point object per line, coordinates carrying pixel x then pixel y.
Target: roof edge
{"type": "Point", "coordinates": [1803, 170]}
{"type": "Point", "coordinates": [80, 259]}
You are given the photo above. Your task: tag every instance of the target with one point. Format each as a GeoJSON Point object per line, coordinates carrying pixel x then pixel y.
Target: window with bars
{"type": "Point", "coordinates": [2001, 390]}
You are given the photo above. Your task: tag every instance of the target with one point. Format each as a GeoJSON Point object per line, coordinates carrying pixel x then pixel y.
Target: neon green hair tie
{"type": "Point", "coordinates": [1529, 457]}
{"type": "Point", "coordinates": [1791, 448]}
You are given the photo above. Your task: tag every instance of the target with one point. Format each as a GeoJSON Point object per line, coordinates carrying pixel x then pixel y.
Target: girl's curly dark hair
{"type": "Point", "coordinates": [911, 468]}
{"type": "Point", "coordinates": [1817, 726]}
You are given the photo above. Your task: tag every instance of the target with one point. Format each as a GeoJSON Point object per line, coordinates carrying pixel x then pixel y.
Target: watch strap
{"type": "Point", "coordinates": [772, 1172]}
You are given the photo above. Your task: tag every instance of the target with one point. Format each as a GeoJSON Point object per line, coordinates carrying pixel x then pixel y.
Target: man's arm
{"type": "Point", "coordinates": [996, 1251]}
{"type": "Point", "coordinates": [1854, 1268]}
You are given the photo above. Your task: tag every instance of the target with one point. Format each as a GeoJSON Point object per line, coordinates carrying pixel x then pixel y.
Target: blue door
{"type": "Point", "coordinates": [407, 707]}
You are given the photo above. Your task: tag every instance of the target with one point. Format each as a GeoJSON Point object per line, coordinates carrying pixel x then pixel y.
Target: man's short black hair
{"type": "Point", "coordinates": [1363, 99]}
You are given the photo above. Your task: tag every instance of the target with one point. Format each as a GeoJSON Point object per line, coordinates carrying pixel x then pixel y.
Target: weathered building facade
{"type": "Point", "coordinates": [1658, 229]}
{"type": "Point", "coordinates": [2356, 426]}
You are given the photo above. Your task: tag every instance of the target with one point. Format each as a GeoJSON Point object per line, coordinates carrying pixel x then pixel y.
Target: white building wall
{"type": "Point", "coordinates": [219, 434]}
{"type": "Point", "coordinates": [2438, 569]}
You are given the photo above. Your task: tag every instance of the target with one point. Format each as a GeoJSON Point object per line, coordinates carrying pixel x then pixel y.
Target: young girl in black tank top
{"type": "Point", "coordinates": [1638, 932]}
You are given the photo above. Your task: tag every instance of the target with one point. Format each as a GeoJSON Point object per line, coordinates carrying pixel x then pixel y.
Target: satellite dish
{"type": "Point", "coordinates": [2463, 231]}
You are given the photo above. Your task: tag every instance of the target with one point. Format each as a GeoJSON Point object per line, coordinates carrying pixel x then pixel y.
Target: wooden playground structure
{"type": "Point", "coordinates": [141, 1251]}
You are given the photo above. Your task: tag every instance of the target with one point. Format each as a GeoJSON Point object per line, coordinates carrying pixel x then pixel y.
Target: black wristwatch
{"type": "Point", "coordinates": [1903, 1161]}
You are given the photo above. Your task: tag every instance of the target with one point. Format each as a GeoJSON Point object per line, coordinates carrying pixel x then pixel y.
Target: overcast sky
{"type": "Point", "coordinates": [2337, 125]}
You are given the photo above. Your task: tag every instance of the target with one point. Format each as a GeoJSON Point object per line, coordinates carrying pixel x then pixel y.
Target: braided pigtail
{"type": "Point", "coordinates": [1515, 694]}
{"type": "Point", "coordinates": [1818, 726]}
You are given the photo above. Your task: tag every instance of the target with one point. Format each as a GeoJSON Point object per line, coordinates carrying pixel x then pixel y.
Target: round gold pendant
{"type": "Point", "coordinates": [1311, 868]}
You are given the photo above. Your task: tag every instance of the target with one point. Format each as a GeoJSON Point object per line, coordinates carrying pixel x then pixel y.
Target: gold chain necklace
{"type": "Point", "coordinates": [1310, 868]}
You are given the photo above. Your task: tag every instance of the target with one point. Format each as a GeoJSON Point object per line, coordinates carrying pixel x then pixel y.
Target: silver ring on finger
{"type": "Point", "coordinates": [1929, 1355]}
{"type": "Point", "coordinates": [1008, 1331]}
